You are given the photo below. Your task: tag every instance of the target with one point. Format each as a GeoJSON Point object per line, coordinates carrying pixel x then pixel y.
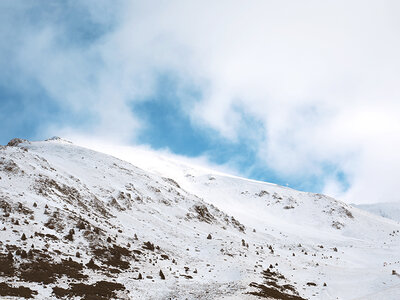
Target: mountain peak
{"type": "Point", "coordinates": [58, 139]}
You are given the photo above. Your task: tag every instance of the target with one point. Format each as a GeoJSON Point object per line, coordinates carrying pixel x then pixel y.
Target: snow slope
{"type": "Point", "coordinates": [175, 231]}
{"type": "Point", "coordinates": [386, 210]}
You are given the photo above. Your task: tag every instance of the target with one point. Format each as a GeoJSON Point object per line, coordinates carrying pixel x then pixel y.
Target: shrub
{"type": "Point", "coordinates": [162, 276]}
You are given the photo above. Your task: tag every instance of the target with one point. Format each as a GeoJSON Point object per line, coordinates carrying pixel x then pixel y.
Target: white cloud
{"type": "Point", "coordinates": [322, 77]}
{"type": "Point", "coordinates": [162, 161]}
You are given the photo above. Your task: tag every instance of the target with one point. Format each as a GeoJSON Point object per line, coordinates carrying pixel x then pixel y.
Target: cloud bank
{"type": "Point", "coordinates": [320, 79]}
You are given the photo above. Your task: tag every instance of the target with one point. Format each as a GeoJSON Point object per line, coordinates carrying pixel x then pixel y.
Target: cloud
{"type": "Point", "coordinates": [163, 161]}
{"type": "Point", "coordinates": [320, 77]}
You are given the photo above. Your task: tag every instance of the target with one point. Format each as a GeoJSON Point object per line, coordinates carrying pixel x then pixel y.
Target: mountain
{"type": "Point", "coordinates": [386, 210]}
{"type": "Point", "coordinates": [80, 223]}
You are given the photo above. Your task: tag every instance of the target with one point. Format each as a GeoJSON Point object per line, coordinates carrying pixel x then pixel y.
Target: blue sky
{"type": "Point", "coordinates": [285, 94]}
{"type": "Point", "coordinates": [165, 126]}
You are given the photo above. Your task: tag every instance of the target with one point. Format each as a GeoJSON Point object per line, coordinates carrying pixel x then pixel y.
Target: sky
{"type": "Point", "coordinates": [300, 93]}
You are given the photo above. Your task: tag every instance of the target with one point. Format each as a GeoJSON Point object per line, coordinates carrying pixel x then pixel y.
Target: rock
{"type": "Point", "coordinates": [15, 142]}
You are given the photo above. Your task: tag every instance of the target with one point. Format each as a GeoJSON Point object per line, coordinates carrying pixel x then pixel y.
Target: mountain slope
{"type": "Point", "coordinates": [81, 223]}
{"type": "Point", "coordinates": [386, 210]}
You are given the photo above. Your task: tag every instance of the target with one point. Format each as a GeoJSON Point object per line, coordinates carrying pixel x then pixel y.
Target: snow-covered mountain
{"type": "Point", "coordinates": [79, 223]}
{"type": "Point", "coordinates": [386, 210]}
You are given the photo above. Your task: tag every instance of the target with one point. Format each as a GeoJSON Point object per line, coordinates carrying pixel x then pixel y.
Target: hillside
{"type": "Point", "coordinates": [386, 210]}
{"type": "Point", "coordinates": [76, 222]}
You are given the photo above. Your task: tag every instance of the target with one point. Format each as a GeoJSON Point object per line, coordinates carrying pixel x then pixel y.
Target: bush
{"type": "Point", "coordinates": [149, 246]}
{"type": "Point", "coordinates": [162, 276]}
{"type": "Point", "coordinates": [70, 235]}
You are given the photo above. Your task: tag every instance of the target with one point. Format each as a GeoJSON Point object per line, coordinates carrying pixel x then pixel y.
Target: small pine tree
{"type": "Point", "coordinates": [162, 276]}
{"type": "Point", "coordinates": [81, 225]}
{"type": "Point", "coordinates": [69, 236]}
{"type": "Point", "coordinates": [91, 264]}
{"type": "Point", "coordinates": [140, 276]}
{"type": "Point", "coordinates": [108, 240]}
{"type": "Point", "coordinates": [209, 237]}
{"type": "Point", "coordinates": [23, 237]}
